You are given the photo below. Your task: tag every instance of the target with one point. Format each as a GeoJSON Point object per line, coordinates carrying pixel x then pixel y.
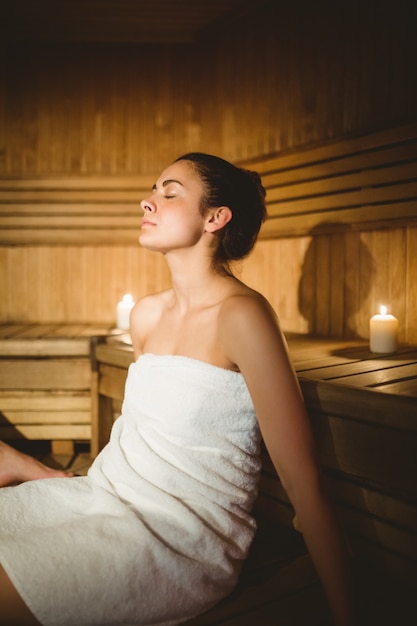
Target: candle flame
{"type": "Point", "coordinates": [382, 310]}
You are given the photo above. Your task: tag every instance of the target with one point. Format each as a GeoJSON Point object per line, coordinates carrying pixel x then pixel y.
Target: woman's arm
{"type": "Point", "coordinates": [253, 341]}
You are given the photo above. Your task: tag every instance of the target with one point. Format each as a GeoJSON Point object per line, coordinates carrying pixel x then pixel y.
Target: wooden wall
{"type": "Point", "coordinates": [282, 78]}
{"type": "Point", "coordinates": [331, 285]}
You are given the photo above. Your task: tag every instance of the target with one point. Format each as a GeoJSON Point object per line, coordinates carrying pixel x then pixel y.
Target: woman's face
{"type": "Point", "coordinates": [171, 213]}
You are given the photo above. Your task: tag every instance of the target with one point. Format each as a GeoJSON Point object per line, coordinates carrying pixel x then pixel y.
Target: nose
{"type": "Point", "coordinates": [147, 206]}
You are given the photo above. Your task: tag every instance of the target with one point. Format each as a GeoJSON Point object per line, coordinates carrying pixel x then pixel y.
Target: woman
{"type": "Point", "coordinates": [158, 530]}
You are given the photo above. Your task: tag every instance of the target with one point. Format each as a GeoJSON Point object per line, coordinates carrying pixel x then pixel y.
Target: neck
{"type": "Point", "coordinates": [195, 282]}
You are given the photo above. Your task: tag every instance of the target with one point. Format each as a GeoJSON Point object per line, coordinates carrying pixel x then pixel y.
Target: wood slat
{"type": "Point", "coordinates": [44, 347]}
{"type": "Point", "coordinates": [116, 354]}
{"type": "Point", "coordinates": [335, 149]}
{"type": "Point", "coordinates": [45, 374]}
{"type": "Point", "coordinates": [395, 411]}
{"type": "Point", "coordinates": [344, 372]}
{"type": "Point", "coordinates": [325, 222]}
{"type": "Point", "coordinates": [17, 209]}
{"type": "Point", "coordinates": [379, 377]}
{"type": "Point", "coordinates": [328, 168]}
{"type": "Point", "coordinates": [85, 183]}
{"type": "Point", "coordinates": [35, 331]}
{"type": "Point", "coordinates": [79, 196]}
{"type": "Point", "coordinates": [348, 199]}
{"type": "Point", "coordinates": [74, 237]}
{"type": "Point", "coordinates": [359, 180]}
{"type": "Point", "coordinates": [73, 222]}
{"type": "Point", "coordinates": [394, 175]}
{"type": "Point", "coordinates": [44, 401]}
{"type": "Point", "coordinates": [20, 418]}
{"type": "Point", "coordinates": [50, 431]}
{"type": "Point", "coordinates": [375, 183]}
{"type": "Point", "coordinates": [112, 381]}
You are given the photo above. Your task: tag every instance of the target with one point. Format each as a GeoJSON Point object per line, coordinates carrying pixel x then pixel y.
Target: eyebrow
{"type": "Point", "coordinates": [168, 182]}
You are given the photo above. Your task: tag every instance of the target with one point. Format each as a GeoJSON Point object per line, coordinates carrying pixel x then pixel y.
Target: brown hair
{"type": "Point", "coordinates": [241, 190]}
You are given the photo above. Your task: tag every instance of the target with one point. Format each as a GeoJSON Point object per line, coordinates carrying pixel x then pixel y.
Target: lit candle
{"type": "Point", "coordinates": [383, 330]}
{"type": "Point", "coordinates": [123, 311]}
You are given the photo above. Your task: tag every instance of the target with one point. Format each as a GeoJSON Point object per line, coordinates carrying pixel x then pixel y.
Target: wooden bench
{"type": "Point", "coordinates": [361, 181]}
{"type": "Point", "coordinates": [47, 384]}
{"type": "Point", "coordinates": [363, 409]}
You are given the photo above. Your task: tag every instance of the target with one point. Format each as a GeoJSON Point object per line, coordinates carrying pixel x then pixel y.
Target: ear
{"type": "Point", "coordinates": [218, 218]}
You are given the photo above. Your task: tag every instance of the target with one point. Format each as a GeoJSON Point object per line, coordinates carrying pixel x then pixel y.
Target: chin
{"type": "Point", "coordinates": [144, 243]}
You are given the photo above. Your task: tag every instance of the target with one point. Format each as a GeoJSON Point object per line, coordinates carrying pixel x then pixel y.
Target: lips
{"type": "Point", "coordinates": [146, 222]}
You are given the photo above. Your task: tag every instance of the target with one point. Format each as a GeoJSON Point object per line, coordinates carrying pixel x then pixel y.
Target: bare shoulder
{"type": "Point", "coordinates": [248, 327]}
{"type": "Point", "coordinates": [151, 304]}
{"type": "Point", "coordinates": [246, 306]}
{"type": "Point", "coordinates": [145, 315]}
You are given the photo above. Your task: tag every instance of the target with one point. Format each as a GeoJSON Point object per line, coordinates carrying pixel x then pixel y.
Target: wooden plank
{"type": "Point", "coordinates": [318, 181]}
{"type": "Point", "coordinates": [337, 201]}
{"type": "Point", "coordinates": [45, 374]}
{"type": "Point", "coordinates": [118, 355]}
{"type": "Point", "coordinates": [370, 506]}
{"type": "Point", "coordinates": [73, 195]}
{"type": "Point", "coordinates": [376, 369]}
{"type": "Point", "coordinates": [51, 431]}
{"type": "Point", "coordinates": [324, 169]}
{"type": "Point", "coordinates": [303, 367]}
{"type": "Point", "coordinates": [348, 446]}
{"type": "Point", "coordinates": [366, 405]}
{"type": "Point", "coordinates": [54, 331]}
{"type": "Point", "coordinates": [44, 417]}
{"type": "Point", "coordinates": [11, 329]}
{"type": "Point", "coordinates": [87, 182]}
{"type": "Point", "coordinates": [41, 401]}
{"type": "Point", "coordinates": [98, 330]}
{"type": "Point", "coordinates": [348, 493]}
{"type": "Point", "coordinates": [120, 222]}
{"type": "Point", "coordinates": [396, 175]}
{"type": "Point", "coordinates": [70, 331]}
{"type": "Point", "coordinates": [63, 451]}
{"type": "Point", "coordinates": [81, 464]}
{"type": "Point", "coordinates": [112, 381]}
{"type": "Point", "coordinates": [322, 222]}
{"type": "Point", "coordinates": [46, 209]}
{"type": "Point", "coordinates": [47, 347]}
{"type": "Point", "coordinates": [322, 278]}
{"type": "Point", "coordinates": [309, 347]}
{"type": "Point", "coordinates": [401, 388]}
{"type": "Point", "coordinates": [331, 150]}
{"type": "Point", "coordinates": [35, 331]}
{"type": "Point", "coordinates": [380, 377]}
{"type": "Point", "coordinates": [63, 236]}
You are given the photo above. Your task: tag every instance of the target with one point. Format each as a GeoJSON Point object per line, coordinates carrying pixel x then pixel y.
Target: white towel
{"type": "Point", "coordinates": [157, 531]}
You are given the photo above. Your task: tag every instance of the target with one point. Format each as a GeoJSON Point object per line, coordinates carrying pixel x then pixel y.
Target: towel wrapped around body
{"type": "Point", "coordinates": [158, 530]}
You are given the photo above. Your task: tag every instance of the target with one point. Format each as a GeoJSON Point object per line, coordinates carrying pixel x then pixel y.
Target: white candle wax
{"type": "Point", "coordinates": [123, 312]}
{"type": "Point", "coordinates": [383, 330]}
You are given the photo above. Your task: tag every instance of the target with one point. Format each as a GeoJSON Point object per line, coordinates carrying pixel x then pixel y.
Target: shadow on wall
{"type": "Point", "coordinates": [335, 282]}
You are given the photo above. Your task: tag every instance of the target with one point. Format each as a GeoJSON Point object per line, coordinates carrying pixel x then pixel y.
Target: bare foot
{"type": "Point", "coordinates": [17, 467]}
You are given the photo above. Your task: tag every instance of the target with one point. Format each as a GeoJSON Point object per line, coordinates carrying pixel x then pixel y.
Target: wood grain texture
{"type": "Point", "coordinates": [280, 80]}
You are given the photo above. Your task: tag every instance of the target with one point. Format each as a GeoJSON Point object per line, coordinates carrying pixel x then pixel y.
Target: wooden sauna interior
{"type": "Point", "coordinates": [97, 97]}
{"type": "Point", "coordinates": [112, 95]}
